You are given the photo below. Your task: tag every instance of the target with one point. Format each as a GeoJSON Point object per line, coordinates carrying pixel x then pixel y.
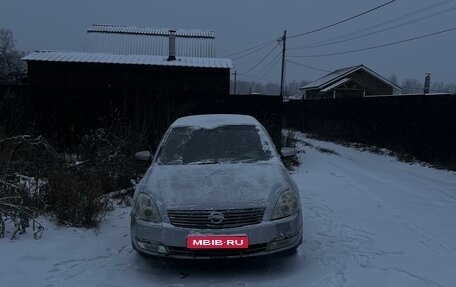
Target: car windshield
{"type": "Point", "coordinates": [231, 143]}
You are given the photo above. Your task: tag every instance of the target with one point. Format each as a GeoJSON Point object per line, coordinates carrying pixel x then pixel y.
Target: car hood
{"type": "Point", "coordinates": [215, 185]}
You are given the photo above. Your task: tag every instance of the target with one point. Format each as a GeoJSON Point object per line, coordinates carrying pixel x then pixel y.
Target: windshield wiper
{"type": "Point", "coordinates": [203, 162]}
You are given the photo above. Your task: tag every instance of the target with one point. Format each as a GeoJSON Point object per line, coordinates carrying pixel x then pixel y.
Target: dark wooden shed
{"type": "Point", "coordinates": [173, 62]}
{"type": "Point", "coordinates": [139, 76]}
{"type": "Point", "coordinates": [185, 76]}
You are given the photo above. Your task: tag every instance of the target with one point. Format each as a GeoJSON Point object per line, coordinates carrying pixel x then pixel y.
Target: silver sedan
{"type": "Point", "coordinates": [216, 188]}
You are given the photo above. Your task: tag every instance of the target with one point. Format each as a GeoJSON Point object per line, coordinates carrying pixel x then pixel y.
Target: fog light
{"type": "Point", "coordinates": [152, 246]}
{"type": "Point", "coordinates": [282, 242]}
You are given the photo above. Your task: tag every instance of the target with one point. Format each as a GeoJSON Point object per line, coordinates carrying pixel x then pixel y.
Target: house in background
{"type": "Point", "coordinates": [173, 62]}
{"type": "Point", "coordinates": [349, 82]}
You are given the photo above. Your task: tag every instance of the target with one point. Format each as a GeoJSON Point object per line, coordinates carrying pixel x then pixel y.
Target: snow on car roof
{"type": "Point", "coordinates": [216, 120]}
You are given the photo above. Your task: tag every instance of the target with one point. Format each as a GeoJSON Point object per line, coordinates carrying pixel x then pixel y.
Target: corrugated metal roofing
{"type": "Point", "coordinates": [329, 79]}
{"type": "Point", "coordinates": [190, 33]}
{"type": "Point", "coordinates": [125, 40]}
{"type": "Point", "coordinates": [81, 57]}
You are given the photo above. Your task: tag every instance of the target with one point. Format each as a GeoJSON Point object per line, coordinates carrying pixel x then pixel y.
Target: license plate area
{"type": "Point", "coordinates": [217, 242]}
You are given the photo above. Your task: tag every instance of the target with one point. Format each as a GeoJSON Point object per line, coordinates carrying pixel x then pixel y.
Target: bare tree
{"type": "Point", "coordinates": [12, 68]}
{"type": "Point", "coordinates": [393, 79]}
{"type": "Point", "coordinates": [412, 86]}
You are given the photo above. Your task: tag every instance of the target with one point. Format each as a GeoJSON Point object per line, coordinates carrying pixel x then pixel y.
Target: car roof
{"type": "Point", "coordinates": [215, 120]}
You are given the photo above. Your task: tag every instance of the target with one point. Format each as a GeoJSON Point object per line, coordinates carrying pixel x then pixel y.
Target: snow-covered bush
{"type": "Point", "coordinates": [16, 210]}
{"type": "Point", "coordinates": [75, 198]}
{"type": "Point", "coordinates": [22, 197]}
{"type": "Point", "coordinates": [71, 187]}
{"type": "Point", "coordinates": [289, 138]}
{"type": "Point", "coordinates": [28, 155]}
{"type": "Point", "coordinates": [111, 156]}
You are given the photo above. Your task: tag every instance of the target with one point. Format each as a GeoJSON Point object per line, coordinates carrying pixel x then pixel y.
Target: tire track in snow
{"type": "Point", "coordinates": [419, 278]}
{"type": "Point", "coordinates": [335, 245]}
{"type": "Point", "coordinates": [431, 241]}
{"type": "Point", "coordinates": [357, 245]}
{"type": "Point", "coordinates": [73, 268]}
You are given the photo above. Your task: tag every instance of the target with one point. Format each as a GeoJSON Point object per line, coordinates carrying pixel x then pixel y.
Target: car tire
{"type": "Point", "coordinates": [143, 255]}
{"type": "Point", "coordinates": [292, 251]}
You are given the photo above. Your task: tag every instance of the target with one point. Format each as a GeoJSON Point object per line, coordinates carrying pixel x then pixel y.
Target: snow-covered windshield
{"type": "Point", "coordinates": [231, 143]}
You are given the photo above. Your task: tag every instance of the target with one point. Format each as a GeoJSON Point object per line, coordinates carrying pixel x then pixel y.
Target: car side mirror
{"type": "Point", "coordinates": [288, 152]}
{"type": "Point", "coordinates": [143, 155]}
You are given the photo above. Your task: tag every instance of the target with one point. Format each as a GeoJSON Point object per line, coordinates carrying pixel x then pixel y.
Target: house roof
{"type": "Point", "coordinates": [105, 58]}
{"type": "Point", "coordinates": [332, 79]}
{"type": "Point", "coordinates": [124, 40]}
{"type": "Point", "coordinates": [336, 84]}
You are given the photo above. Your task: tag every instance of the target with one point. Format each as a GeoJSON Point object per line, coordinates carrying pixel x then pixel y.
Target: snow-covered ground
{"type": "Point", "coordinates": [369, 221]}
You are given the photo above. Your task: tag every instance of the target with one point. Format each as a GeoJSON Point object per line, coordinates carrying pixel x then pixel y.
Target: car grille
{"type": "Point", "coordinates": [200, 218]}
{"type": "Point", "coordinates": [217, 253]}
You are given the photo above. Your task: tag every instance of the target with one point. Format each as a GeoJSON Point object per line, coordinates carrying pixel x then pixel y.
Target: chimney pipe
{"type": "Point", "coordinates": [427, 83]}
{"type": "Point", "coordinates": [172, 45]}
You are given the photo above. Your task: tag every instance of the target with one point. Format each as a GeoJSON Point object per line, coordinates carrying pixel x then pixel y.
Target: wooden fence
{"type": "Point", "coordinates": [423, 126]}
{"type": "Point", "coordinates": [64, 115]}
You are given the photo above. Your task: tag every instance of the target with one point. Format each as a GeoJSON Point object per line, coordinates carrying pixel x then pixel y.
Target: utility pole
{"type": "Point", "coordinates": [235, 81]}
{"type": "Point", "coordinates": [282, 78]}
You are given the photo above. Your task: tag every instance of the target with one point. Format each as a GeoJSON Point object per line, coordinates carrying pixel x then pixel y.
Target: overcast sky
{"type": "Point", "coordinates": [61, 25]}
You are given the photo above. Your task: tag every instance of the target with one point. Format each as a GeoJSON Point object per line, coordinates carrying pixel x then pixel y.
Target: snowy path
{"type": "Point", "coordinates": [369, 221]}
{"type": "Point", "coordinates": [374, 221]}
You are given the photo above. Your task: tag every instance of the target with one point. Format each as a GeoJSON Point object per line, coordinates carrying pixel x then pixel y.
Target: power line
{"type": "Point", "coordinates": [374, 47]}
{"type": "Point", "coordinates": [378, 31]}
{"type": "Point", "coordinates": [315, 68]}
{"type": "Point", "coordinates": [342, 21]}
{"type": "Point", "coordinates": [275, 62]}
{"type": "Point", "coordinates": [261, 74]}
{"type": "Point", "coordinates": [427, 8]}
{"type": "Point", "coordinates": [267, 65]}
{"type": "Point", "coordinates": [261, 61]}
{"type": "Point", "coordinates": [251, 48]}
{"type": "Point", "coordinates": [308, 67]}
{"type": "Point", "coordinates": [253, 51]}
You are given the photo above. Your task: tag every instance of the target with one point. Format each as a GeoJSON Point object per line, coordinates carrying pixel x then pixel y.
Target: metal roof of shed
{"type": "Point", "coordinates": [104, 58]}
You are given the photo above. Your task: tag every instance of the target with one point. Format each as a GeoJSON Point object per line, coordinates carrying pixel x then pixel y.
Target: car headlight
{"type": "Point", "coordinates": [287, 204]}
{"type": "Point", "coordinates": [146, 209]}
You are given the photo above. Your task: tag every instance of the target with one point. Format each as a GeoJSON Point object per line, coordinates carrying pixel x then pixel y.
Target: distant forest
{"type": "Point", "coordinates": [409, 86]}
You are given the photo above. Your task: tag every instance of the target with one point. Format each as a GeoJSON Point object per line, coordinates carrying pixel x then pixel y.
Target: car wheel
{"type": "Point", "coordinates": [290, 252]}
{"type": "Point", "coordinates": [139, 252]}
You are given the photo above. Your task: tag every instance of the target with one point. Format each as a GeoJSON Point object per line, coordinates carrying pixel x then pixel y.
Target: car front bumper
{"type": "Point", "coordinates": [166, 240]}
